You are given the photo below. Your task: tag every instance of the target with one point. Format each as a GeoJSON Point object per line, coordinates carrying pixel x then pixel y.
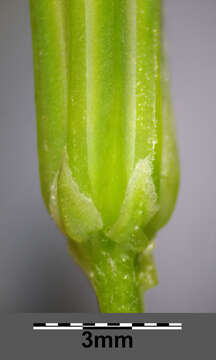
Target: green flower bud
{"type": "Point", "coordinates": [108, 160]}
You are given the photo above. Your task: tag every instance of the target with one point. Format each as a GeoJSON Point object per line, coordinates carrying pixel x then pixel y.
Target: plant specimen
{"type": "Point", "coordinates": [108, 160]}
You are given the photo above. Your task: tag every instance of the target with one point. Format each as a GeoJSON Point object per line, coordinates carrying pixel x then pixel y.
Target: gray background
{"type": "Point", "coordinates": [36, 272]}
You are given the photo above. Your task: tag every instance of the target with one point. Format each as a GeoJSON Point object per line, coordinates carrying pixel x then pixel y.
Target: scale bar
{"type": "Point", "coordinates": [107, 326]}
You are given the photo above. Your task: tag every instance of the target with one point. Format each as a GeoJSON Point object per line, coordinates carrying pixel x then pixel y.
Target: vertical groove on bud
{"type": "Point", "coordinates": [148, 90]}
{"type": "Point", "coordinates": [77, 122]}
{"type": "Point", "coordinates": [110, 31]}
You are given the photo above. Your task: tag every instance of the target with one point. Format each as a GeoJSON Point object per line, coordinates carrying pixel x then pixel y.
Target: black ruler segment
{"type": "Point", "coordinates": [39, 324]}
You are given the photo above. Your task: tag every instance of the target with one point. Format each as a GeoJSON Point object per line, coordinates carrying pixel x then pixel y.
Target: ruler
{"type": "Point", "coordinates": [106, 326]}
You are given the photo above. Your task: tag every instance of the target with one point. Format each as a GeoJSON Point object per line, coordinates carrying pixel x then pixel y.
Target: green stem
{"type": "Point", "coordinates": [112, 271]}
{"type": "Point", "coordinates": [116, 285]}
